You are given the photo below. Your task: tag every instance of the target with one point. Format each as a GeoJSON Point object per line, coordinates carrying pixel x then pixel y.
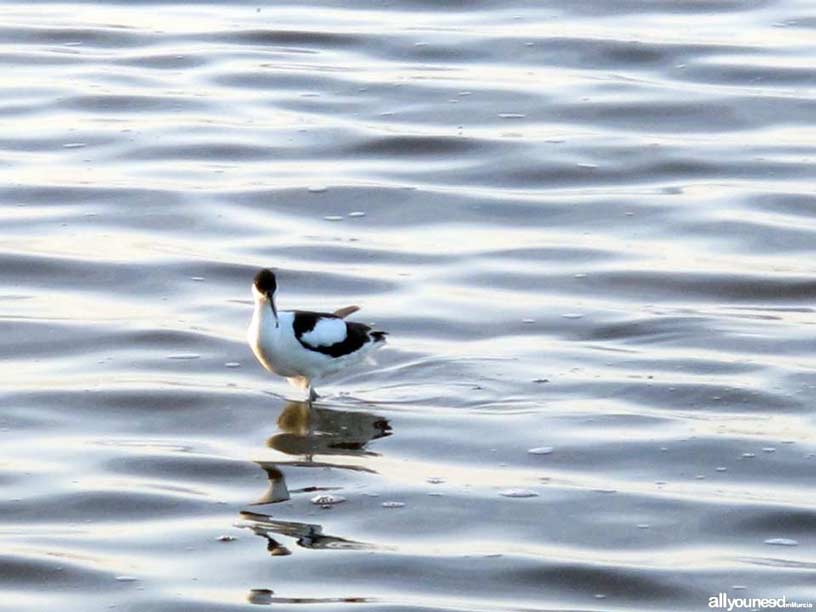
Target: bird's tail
{"type": "Point", "coordinates": [379, 340]}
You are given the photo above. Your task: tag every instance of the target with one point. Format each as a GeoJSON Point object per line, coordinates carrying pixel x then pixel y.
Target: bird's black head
{"type": "Point", "coordinates": [265, 282]}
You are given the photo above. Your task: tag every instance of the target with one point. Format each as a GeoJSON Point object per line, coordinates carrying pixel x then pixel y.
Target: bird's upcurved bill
{"type": "Point", "coordinates": [274, 309]}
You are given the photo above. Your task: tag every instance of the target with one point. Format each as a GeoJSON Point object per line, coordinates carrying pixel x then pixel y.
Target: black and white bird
{"type": "Point", "coordinates": [305, 346]}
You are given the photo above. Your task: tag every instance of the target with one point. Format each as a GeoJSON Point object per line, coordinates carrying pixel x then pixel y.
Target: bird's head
{"type": "Point", "coordinates": [264, 287]}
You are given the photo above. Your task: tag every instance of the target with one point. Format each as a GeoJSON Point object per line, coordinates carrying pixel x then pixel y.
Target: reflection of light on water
{"type": "Point", "coordinates": [317, 435]}
{"type": "Point", "coordinates": [654, 157]}
{"type": "Point", "coordinates": [784, 427]}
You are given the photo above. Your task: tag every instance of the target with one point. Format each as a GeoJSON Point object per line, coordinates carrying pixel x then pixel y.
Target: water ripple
{"type": "Point", "coordinates": [586, 225]}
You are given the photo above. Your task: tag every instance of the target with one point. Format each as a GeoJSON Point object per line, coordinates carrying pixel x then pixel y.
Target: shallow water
{"type": "Point", "coordinates": [589, 228]}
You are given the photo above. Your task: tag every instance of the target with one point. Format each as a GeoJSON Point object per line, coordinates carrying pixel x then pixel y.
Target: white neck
{"type": "Point", "coordinates": [264, 310]}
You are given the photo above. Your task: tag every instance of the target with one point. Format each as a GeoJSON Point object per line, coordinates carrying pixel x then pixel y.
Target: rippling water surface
{"type": "Point", "coordinates": [590, 228]}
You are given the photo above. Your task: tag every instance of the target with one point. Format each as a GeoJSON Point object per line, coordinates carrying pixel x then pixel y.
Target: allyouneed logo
{"type": "Point", "coordinates": [722, 601]}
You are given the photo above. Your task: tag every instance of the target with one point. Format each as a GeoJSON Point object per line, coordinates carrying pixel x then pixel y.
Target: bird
{"type": "Point", "coordinates": [304, 346]}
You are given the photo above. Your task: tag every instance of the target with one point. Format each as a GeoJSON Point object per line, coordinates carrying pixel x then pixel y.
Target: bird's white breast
{"type": "Point", "coordinates": [277, 348]}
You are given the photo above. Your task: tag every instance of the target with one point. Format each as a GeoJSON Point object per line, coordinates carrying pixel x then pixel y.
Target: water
{"type": "Point", "coordinates": [588, 226]}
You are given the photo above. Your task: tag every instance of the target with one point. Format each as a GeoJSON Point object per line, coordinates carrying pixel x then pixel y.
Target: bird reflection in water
{"type": "Point", "coordinates": [308, 431]}
{"type": "Point", "coordinates": [306, 535]}
{"type": "Point", "coordinates": [266, 597]}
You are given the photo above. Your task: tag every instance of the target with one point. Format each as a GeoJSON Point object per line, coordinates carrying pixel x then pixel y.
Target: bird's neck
{"type": "Point", "coordinates": [265, 312]}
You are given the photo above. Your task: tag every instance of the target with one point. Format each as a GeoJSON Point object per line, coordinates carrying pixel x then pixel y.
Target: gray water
{"type": "Point", "coordinates": [589, 227]}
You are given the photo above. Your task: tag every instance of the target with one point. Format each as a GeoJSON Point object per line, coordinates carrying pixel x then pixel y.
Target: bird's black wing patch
{"type": "Point", "coordinates": [357, 334]}
{"type": "Point", "coordinates": [305, 321]}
